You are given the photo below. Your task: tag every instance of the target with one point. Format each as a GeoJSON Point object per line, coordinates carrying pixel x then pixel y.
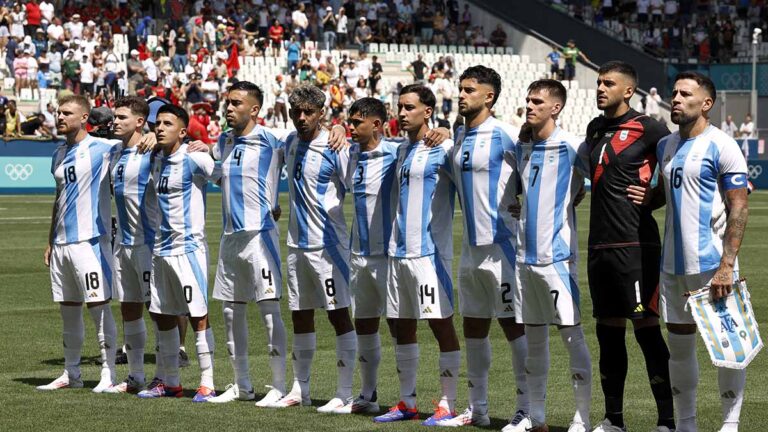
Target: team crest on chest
{"type": "Point", "coordinates": [623, 135]}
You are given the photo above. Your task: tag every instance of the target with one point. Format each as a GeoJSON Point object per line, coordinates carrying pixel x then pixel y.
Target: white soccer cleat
{"type": "Point", "coordinates": [520, 422]}
{"type": "Point", "coordinates": [361, 405]}
{"type": "Point", "coordinates": [271, 397]}
{"type": "Point", "coordinates": [107, 381]}
{"type": "Point", "coordinates": [607, 426]}
{"type": "Point", "coordinates": [62, 382]}
{"type": "Point", "coordinates": [294, 398]}
{"type": "Point", "coordinates": [335, 404]}
{"type": "Point", "coordinates": [130, 385]}
{"type": "Point", "coordinates": [233, 393]}
{"type": "Point", "coordinates": [578, 427]}
{"type": "Point", "coordinates": [467, 418]}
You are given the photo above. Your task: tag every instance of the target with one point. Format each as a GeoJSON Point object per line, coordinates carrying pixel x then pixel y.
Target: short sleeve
{"type": "Point", "coordinates": [731, 159]}
{"type": "Point", "coordinates": [218, 149]}
{"type": "Point", "coordinates": [345, 160]}
{"type": "Point", "coordinates": [202, 164]}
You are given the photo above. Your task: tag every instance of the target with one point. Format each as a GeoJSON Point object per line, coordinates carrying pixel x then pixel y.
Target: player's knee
{"type": "Point", "coordinates": [476, 328]}
{"type": "Point", "coordinates": [645, 322]}
{"type": "Point", "coordinates": [131, 311]}
{"type": "Point", "coordinates": [165, 322]}
{"type": "Point", "coordinates": [303, 321]}
{"type": "Point", "coordinates": [199, 323]}
{"type": "Point", "coordinates": [512, 329]}
{"type": "Point", "coordinates": [615, 322]}
{"type": "Point", "coordinates": [366, 326]}
{"type": "Point", "coordinates": [340, 320]}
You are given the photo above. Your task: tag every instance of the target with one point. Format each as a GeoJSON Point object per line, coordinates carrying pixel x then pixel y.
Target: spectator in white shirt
{"type": "Point", "coordinates": [747, 129]}
{"type": "Point", "coordinates": [300, 21]}
{"type": "Point", "coordinates": [729, 127]}
{"type": "Point", "coordinates": [652, 101]}
{"type": "Point", "coordinates": [351, 74]}
{"type": "Point", "coordinates": [55, 30]}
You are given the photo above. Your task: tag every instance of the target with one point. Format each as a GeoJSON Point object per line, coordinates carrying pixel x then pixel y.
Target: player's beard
{"type": "Point", "coordinates": [681, 118]}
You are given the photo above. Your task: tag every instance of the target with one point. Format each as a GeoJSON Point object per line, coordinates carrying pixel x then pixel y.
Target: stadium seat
{"type": "Point", "coordinates": [373, 47]}
{"type": "Point", "coordinates": [452, 49]}
{"type": "Point", "coordinates": [471, 49]}
{"type": "Point", "coordinates": [480, 50]}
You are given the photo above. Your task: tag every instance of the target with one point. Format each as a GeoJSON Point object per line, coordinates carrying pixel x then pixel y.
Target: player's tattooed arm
{"type": "Point", "coordinates": [436, 136]}
{"type": "Point", "coordinates": [47, 253]}
{"type": "Point", "coordinates": [738, 213]}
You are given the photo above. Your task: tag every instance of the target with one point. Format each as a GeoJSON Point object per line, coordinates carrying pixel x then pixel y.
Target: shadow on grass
{"type": "Point", "coordinates": [91, 361]}
{"type": "Point", "coordinates": [41, 381]}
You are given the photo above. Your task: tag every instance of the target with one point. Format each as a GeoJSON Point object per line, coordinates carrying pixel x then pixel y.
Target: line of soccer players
{"type": "Point", "coordinates": [517, 189]}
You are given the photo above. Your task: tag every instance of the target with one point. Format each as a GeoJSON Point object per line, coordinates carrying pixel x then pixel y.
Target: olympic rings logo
{"type": "Point", "coordinates": [18, 171]}
{"type": "Point", "coordinates": [734, 80]}
{"type": "Point", "coordinates": [755, 171]}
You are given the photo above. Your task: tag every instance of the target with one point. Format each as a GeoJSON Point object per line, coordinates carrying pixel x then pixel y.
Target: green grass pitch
{"type": "Point", "coordinates": [31, 353]}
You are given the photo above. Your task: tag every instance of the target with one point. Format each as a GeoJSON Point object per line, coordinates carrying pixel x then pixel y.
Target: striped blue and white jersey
{"type": "Point", "coordinates": [249, 173]}
{"type": "Point", "coordinates": [317, 179]}
{"type": "Point", "coordinates": [181, 180]}
{"type": "Point", "coordinates": [551, 175]}
{"type": "Point", "coordinates": [423, 222]}
{"type": "Point", "coordinates": [485, 181]}
{"type": "Point", "coordinates": [696, 171]}
{"type": "Point", "coordinates": [81, 171]}
{"type": "Point", "coordinates": [372, 185]}
{"type": "Point", "coordinates": [135, 197]}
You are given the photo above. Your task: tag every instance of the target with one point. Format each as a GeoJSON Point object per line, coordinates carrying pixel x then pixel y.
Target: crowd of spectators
{"type": "Point", "coordinates": [678, 30]}
{"type": "Point", "coordinates": [187, 52]}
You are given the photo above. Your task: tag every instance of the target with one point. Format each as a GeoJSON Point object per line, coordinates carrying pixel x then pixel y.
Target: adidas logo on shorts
{"type": "Point", "coordinates": [93, 295]}
{"type": "Point", "coordinates": [332, 302]}
{"type": "Point", "coordinates": [446, 374]}
{"type": "Point", "coordinates": [639, 308]}
{"type": "Point", "coordinates": [269, 291]}
{"type": "Point", "coordinates": [509, 309]}
{"type": "Point", "coordinates": [427, 310]}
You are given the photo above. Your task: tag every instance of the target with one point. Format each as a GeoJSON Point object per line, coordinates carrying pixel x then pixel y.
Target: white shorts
{"type": "Point", "coordinates": [419, 288]}
{"type": "Point", "coordinates": [82, 271]}
{"type": "Point", "coordinates": [180, 284]}
{"type": "Point", "coordinates": [368, 284]}
{"type": "Point", "coordinates": [487, 281]}
{"type": "Point", "coordinates": [133, 272]}
{"type": "Point", "coordinates": [318, 279]}
{"type": "Point", "coordinates": [249, 267]}
{"type": "Point", "coordinates": [547, 294]}
{"type": "Point", "coordinates": [672, 298]}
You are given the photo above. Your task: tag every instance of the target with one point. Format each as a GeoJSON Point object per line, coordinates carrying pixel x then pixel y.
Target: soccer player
{"type": "Point", "coordinates": [318, 255]}
{"type": "Point", "coordinates": [79, 253]}
{"type": "Point", "coordinates": [249, 255]}
{"type": "Point", "coordinates": [547, 293]}
{"type": "Point", "coordinates": [179, 281]}
{"type": "Point", "coordinates": [701, 169]}
{"type": "Point", "coordinates": [624, 245]}
{"type": "Point", "coordinates": [420, 253]}
{"type": "Point", "coordinates": [137, 215]}
{"type": "Point", "coordinates": [486, 187]}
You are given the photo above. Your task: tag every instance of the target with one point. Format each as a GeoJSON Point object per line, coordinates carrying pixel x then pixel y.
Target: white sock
{"type": "Point", "coordinates": [369, 348]}
{"type": "Point", "coordinates": [168, 342]}
{"type": "Point", "coordinates": [276, 341]}
{"type": "Point", "coordinates": [449, 363]}
{"type": "Point", "coordinates": [519, 349]}
{"type": "Point", "coordinates": [135, 334]}
{"type": "Point", "coordinates": [537, 365]}
{"type": "Point", "coordinates": [159, 368]}
{"type": "Point", "coordinates": [106, 333]}
{"type": "Point", "coordinates": [304, 346]}
{"type": "Point", "coordinates": [684, 377]}
{"type": "Point", "coordinates": [478, 365]}
{"type": "Point", "coordinates": [407, 361]}
{"type": "Point", "coordinates": [731, 383]}
{"type": "Point", "coordinates": [581, 370]}
{"type": "Point", "coordinates": [236, 325]}
{"type": "Point", "coordinates": [204, 344]}
{"type": "Point", "coordinates": [346, 350]}
{"type": "Point", "coordinates": [73, 334]}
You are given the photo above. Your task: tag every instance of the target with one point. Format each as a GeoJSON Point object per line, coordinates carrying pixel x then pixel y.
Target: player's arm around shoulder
{"type": "Point", "coordinates": [202, 164]}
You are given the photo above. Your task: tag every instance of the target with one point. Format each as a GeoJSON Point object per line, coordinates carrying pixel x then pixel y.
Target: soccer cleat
{"type": "Point", "coordinates": [520, 422]}
{"type": "Point", "coordinates": [359, 406]}
{"type": "Point", "coordinates": [183, 359]}
{"type": "Point", "coordinates": [333, 405]}
{"type": "Point", "coordinates": [441, 414]}
{"type": "Point", "coordinates": [107, 381]}
{"type": "Point", "coordinates": [467, 418]}
{"type": "Point", "coordinates": [398, 412]}
{"type": "Point", "coordinates": [294, 398]}
{"type": "Point", "coordinates": [203, 394]}
{"type": "Point", "coordinates": [158, 389]}
{"type": "Point", "coordinates": [271, 397]}
{"type": "Point", "coordinates": [233, 393]}
{"type": "Point", "coordinates": [64, 381]}
{"type": "Point", "coordinates": [607, 426]}
{"type": "Point", "coordinates": [130, 385]}
{"type": "Point", "coordinates": [578, 427]}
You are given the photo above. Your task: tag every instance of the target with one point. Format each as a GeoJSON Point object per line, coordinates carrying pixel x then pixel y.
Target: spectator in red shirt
{"type": "Point", "coordinates": [276, 36]}
{"type": "Point", "coordinates": [196, 131]}
{"type": "Point", "coordinates": [33, 17]}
